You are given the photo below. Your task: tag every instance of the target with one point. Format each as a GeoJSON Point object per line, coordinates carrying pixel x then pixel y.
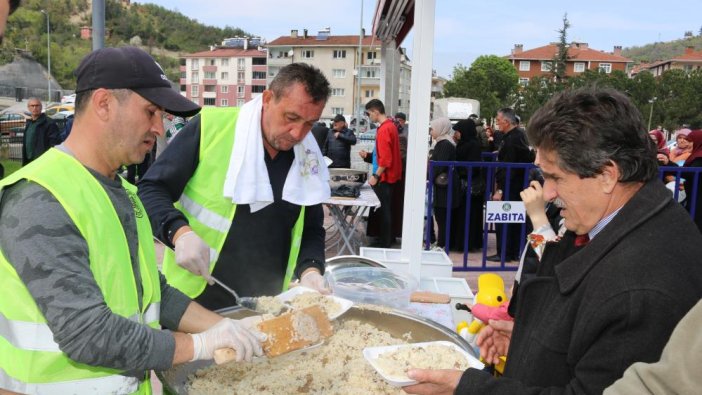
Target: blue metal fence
{"type": "Point", "coordinates": [680, 174]}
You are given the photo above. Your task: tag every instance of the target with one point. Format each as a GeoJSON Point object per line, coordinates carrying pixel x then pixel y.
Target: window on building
{"type": "Point", "coordinates": [210, 75]}
{"type": "Point", "coordinates": [241, 63]}
{"type": "Point", "coordinates": [224, 75]}
{"type": "Point", "coordinates": [339, 54]}
{"type": "Point", "coordinates": [337, 92]}
{"type": "Point", "coordinates": [259, 75]}
{"type": "Point", "coordinates": [224, 62]}
{"type": "Point", "coordinates": [337, 110]}
{"type": "Point", "coordinates": [579, 67]}
{"type": "Point", "coordinates": [372, 56]}
{"type": "Point", "coordinates": [524, 65]}
{"type": "Point", "coordinates": [308, 54]}
{"type": "Point", "coordinates": [210, 62]}
{"type": "Point", "coordinates": [369, 92]}
{"type": "Point", "coordinates": [210, 88]}
{"type": "Point", "coordinates": [240, 102]}
{"type": "Point", "coordinates": [209, 101]}
{"type": "Point", "coordinates": [195, 77]}
{"type": "Point", "coordinates": [194, 64]}
{"type": "Point", "coordinates": [240, 77]}
{"type": "Point", "coordinates": [546, 66]}
{"type": "Point", "coordinates": [195, 90]}
{"type": "Point", "coordinates": [258, 61]}
{"type": "Point", "coordinates": [523, 81]}
{"type": "Point", "coordinates": [370, 74]}
{"type": "Point", "coordinates": [258, 88]}
{"type": "Point", "coordinates": [183, 74]}
{"type": "Point", "coordinates": [183, 88]}
{"type": "Point", "coordinates": [339, 73]}
{"type": "Point", "coordinates": [224, 88]}
{"type": "Point", "coordinates": [606, 67]}
{"type": "Point", "coordinates": [240, 91]}
{"type": "Point", "coordinates": [224, 103]}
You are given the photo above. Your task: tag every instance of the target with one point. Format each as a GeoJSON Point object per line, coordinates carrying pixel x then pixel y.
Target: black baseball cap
{"type": "Point", "coordinates": [134, 69]}
{"type": "Point", "coordinates": [339, 118]}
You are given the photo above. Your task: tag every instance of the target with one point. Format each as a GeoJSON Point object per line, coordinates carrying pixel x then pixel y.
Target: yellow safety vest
{"type": "Point", "coordinates": [209, 213]}
{"type": "Point", "coordinates": [30, 360]}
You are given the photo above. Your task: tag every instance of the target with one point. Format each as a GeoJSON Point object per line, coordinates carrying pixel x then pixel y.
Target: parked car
{"type": "Point", "coordinates": [56, 108]}
{"type": "Point", "coordinates": [12, 123]}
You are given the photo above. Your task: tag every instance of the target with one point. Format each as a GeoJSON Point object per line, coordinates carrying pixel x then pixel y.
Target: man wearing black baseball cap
{"type": "Point", "coordinates": [79, 265]}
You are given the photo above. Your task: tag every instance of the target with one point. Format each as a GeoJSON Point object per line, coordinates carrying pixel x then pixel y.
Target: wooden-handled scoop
{"type": "Point", "coordinates": [429, 297]}
{"type": "Point", "coordinates": [287, 332]}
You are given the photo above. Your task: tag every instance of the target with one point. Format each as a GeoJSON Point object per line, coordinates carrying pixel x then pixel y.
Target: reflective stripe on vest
{"type": "Point", "coordinates": [209, 213]}
{"type": "Point", "coordinates": [38, 337]}
{"type": "Point", "coordinates": [114, 384]}
{"type": "Point", "coordinates": [31, 362]}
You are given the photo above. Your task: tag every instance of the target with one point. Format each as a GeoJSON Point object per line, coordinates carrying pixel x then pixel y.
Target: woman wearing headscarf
{"type": "Point", "coordinates": [663, 151]}
{"type": "Point", "coordinates": [444, 150]}
{"type": "Point", "coordinates": [694, 160]}
{"type": "Point", "coordinates": [683, 149]}
{"type": "Point", "coordinates": [468, 148]}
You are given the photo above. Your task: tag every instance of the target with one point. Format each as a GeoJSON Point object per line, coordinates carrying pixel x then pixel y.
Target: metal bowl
{"type": "Point", "coordinates": [395, 322]}
{"type": "Point", "coordinates": [342, 261]}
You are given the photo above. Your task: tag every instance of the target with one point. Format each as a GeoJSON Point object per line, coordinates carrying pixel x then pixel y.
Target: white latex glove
{"type": "Point", "coordinates": [312, 279]}
{"type": "Point", "coordinates": [192, 254]}
{"type": "Point", "coordinates": [228, 333]}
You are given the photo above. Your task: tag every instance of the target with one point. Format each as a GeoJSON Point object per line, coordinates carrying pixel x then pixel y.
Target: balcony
{"type": "Point", "coordinates": [281, 61]}
{"type": "Point", "coordinates": [211, 69]}
{"type": "Point", "coordinates": [209, 81]}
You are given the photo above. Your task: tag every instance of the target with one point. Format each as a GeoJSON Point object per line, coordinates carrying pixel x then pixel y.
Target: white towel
{"type": "Point", "coordinates": [247, 179]}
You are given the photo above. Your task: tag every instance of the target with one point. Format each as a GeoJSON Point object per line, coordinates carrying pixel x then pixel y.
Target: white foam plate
{"type": "Point", "coordinates": [293, 292]}
{"type": "Point", "coordinates": [372, 353]}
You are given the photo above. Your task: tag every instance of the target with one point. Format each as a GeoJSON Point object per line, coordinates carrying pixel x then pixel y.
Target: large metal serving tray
{"type": "Point", "coordinates": [395, 322]}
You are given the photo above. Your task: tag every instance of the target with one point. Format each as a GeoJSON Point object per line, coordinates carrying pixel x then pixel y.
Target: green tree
{"type": "Point", "coordinates": [490, 79]}
{"type": "Point", "coordinates": [558, 65]}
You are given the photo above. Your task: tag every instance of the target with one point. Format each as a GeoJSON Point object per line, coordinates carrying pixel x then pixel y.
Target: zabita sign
{"type": "Point", "coordinates": [505, 212]}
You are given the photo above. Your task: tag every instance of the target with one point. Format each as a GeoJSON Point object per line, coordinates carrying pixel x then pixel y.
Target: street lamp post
{"type": "Point", "coordinates": [48, 50]}
{"type": "Point", "coordinates": [650, 114]}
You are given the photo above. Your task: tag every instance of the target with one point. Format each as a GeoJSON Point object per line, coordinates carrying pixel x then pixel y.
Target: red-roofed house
{"type": "Point", "coordinates": [689, 61]}
{"type": "Point", "coordinates": [537, 62]}
{"type": "Point", "coordinates": [223, 76]}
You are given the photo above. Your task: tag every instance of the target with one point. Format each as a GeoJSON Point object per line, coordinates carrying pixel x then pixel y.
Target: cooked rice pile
{"type": "Point", "coordinates": [269, 305]}
{"type": "Point", "coordinates": [397, 363]}
{"type": "Point", "coordinates": [304, 327]}
{"type": "Point", "coordinates": [307, 299]}
{"type": "Point", "coordinates": [337, 367]}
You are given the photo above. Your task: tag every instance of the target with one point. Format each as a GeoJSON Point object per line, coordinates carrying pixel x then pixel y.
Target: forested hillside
{"type": "Point", "coordinates": [662, 50]}
{"type": "Point", "coordinates": [162, 32]}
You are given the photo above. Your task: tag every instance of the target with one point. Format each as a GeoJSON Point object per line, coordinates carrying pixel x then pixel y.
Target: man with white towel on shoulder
{"type": "Point", "coordinates": [237, 194]}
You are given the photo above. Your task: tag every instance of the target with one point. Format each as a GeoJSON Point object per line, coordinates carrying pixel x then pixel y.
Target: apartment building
{"type": "Point", "coordinates": [537, 62]}
{"type": "Point", "coordinates": [689, 61]}
{"type": "Point", "coordinates": [224, 76]}
{"type": "Point", "coordinates": [337, 57]}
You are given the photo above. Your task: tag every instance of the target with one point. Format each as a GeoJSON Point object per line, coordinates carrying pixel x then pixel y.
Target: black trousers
{"type": "Point", "coordinates": [384, 192]}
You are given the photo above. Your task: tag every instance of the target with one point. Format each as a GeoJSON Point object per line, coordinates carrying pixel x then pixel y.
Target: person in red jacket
{"type": "Point", "coordinates": [387, 167]}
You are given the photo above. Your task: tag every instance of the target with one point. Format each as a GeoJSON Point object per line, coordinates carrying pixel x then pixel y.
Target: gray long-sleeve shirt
{"type": "Point", "coordinates": [51, 257]}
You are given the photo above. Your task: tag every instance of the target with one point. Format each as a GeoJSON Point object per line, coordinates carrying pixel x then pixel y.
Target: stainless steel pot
{"type": "Point", "coordinates": [395, 322]}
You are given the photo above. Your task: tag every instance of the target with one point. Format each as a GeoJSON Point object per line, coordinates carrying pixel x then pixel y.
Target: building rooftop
{"type": "Point", "coordinates": [335, 41]}
{"type": "Point", "coordinates": [576, 52]}
{"type": "Point", "coordinates": [227, 53]}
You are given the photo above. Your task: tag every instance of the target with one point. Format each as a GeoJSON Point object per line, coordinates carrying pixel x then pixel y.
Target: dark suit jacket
{"type": "Point", "coordinates": [587, 316]}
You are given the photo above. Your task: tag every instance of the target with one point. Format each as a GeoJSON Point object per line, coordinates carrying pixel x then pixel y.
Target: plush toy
{"type": "Point", "coordinates": [491, 303]}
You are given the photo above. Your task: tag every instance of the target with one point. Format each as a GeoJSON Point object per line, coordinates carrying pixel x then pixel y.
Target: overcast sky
{"type": "Point", "coordinates": [466, 29]}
